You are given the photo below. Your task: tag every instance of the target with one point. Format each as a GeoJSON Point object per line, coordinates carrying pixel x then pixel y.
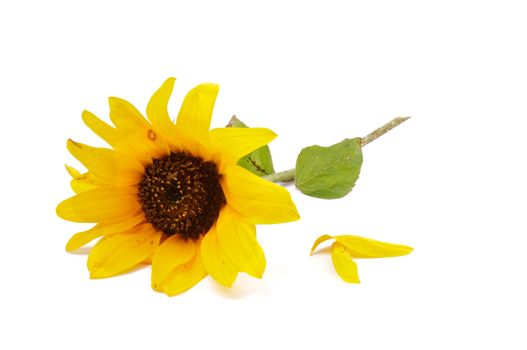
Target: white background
{"type": "Point", "coordinates": [450, 182]}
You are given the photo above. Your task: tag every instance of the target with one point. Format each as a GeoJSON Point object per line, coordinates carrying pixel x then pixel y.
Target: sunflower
{"type": "Point", "coordinates": [172, 194]}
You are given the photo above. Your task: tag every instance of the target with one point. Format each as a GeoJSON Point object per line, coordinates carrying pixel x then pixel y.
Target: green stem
{"type": "Point", "coordinates": [283, 176]}
{"type": "Point", "coordinates": [289, 175]}
{"type": "Point", "coordinates": [383, 130]}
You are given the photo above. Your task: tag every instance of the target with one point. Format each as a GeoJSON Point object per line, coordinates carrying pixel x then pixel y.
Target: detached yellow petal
{"type": "Point", "coordinates": [343, 263]}
{"type": "Point", "coordinates": [82, 238]}
{"type": "Point", "coordinates": [196, 111]}
{"type": "Point", "coordinates": [118, 253]}
{"type": "Point", "coordinates": [257, 200]}
{"type": "Point", "coordinates": [107, 205]}
{"type": "Point", "coordinates": [185, 276]}
{"type": "Point", "coordinates": [238, 239]}
{"type": "Point", "coordinates": [235, 143]}
{"type": "Point", "coordinates": [216, 262]}
{"type": "Point", "coordinates": [106, 164]}
{"type": "Point", "coordinates": [319, 240]}
{"type": "Point", "coordinates": [360, 247]}
{"type": "Point", "coordinates": [173, 252]}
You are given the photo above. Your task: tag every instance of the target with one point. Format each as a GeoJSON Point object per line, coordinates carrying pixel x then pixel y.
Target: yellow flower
{"type": "Point", "coordinates": [172, 194]}
{"type": "Point", "coordinates": [347, 247]}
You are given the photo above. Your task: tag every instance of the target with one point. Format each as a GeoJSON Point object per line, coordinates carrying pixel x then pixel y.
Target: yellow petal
{"type": "Point", "coordinates": [238, 239]}
{"type": "Point", "coordinates": [360, 247]}
{"type": "Point", "coordinates": [137, 136]}
{"type": "Point", "coordinates": [185, 276]}
{"type": "Point", "coordinates": [149, 260]}
{"type": "Point", "coordinates": [196, 111]}
{"type": "Point", "coordinates": [100, 205]}
{"type": "Point", "coordinates": [157, 111]}
{"type": "Point", "coordinates": [257, 200]}
{"type": "Point", "coordinates": [82, 182]}
{"type": "Point", "coordinates": [85, 182]}
{"type": "Point", "coordinates": [102, 129]}
{"type": "Point", "coordinates": [216, 262]}
{"type": "Point", "coordinates": [82, 238]}
{"type": "Point", "coordinates": [106, 164]}
{"type": "Point", "coordinates": [125, 116]}
{"type": "Point", "coordinates": [343, 263]}
{"type": "Point", "coordinates": [173, 252]}
{"type": "Point", "coordinates": [319, 240]}
{"type": "Point", "coordinates": [238, 142]}
{"type": "Point", "coordinates": [79, 186]}
{"type": "Point", "coordinates": [118, 253]}
{"type": "Point", "coordinates": [72, 171]}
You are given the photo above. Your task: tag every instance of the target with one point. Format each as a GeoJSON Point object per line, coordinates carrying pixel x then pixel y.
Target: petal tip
{"type": "Point", "coordinates": [86, 114]}
{"type": "Point", "coordinates": [99, 272]}
{"type": "Point", "coordinates": [168, 84]}
{"type": "Point", "coordinates": [72, 171]}
{"type": "Point", "coordinates": [59, 210]}
{"type": "Point", "coordinates": [112, 100]}
{"type": "Point", "coordinates": [227, 284]}
{"type": "Point", "coordinates": [68, 247]}
{"type": "Point", "coordinates": [156, 287]}
{"type": "Point", "coordinates": [70, 144]}
{"type": "Point", "coordinates": [272, 134]}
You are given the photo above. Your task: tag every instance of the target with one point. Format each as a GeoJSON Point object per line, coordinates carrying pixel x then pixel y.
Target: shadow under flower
{"type": "Point", "coordinates": [82, 251]}
{"type": "Point", "coordinates": [243, 287]}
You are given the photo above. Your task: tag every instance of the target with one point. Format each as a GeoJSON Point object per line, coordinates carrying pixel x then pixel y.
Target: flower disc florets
{"type": "Point", "coordinates": [181, 194]}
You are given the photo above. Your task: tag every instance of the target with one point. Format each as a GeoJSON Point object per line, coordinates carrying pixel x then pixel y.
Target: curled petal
{"type": "Point", "coordinates": [319, 240]}
{"type": "Point", "coordinates": [343, 263]}
{"type": "Point", "coordinates": [360, 247]}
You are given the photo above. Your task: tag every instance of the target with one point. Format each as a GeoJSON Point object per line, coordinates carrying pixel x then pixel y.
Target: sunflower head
{"type": "Point", "coordinates": [181, 194]}
{"type": "Point", "coordinates": [172, 194]}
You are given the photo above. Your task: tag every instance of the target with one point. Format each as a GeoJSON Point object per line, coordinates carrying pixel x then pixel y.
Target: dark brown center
{"type": "Point", "coordinates": [181, 194]}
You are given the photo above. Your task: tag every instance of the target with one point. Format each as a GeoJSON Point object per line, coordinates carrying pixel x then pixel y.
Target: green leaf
{"type": "Point", "coordinates": [329, 172]}
{"type": "Point", "coordinates": [259, 161]}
